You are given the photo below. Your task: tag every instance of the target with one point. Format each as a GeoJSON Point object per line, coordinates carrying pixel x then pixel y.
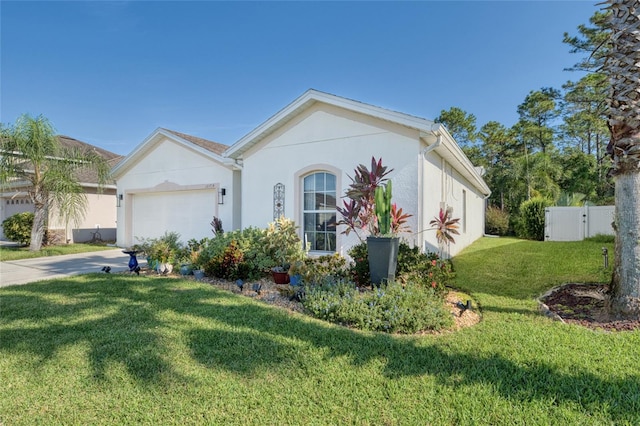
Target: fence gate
{"type": "Point", "coordinates": [577, 223]}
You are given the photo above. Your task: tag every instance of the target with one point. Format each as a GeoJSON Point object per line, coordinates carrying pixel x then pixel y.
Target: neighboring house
{"type": "Point", "coordinates": [297, 164]}
{"type": "Point", "coordinates": [101, 204]}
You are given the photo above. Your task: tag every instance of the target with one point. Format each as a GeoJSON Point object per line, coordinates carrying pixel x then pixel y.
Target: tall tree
{"type": "Point", "coordinates": [498, 148]}
{"type": "Point", "coordinates": [584, 114]}
{"type": "Point", "coordinates": [622, 66]}
{"type": "Point", "coordinates": [31, 155]}
{"type": "Point", "coordinates": [460, 124]}
{"type": "Point", "coordinates": [579, 173]}
{"type": "Point", "coordinates": [590, 42]}
{"type": "Point", "coordinates": [537, 115]}
{"type": "Point", "coordinates": [462, 127]}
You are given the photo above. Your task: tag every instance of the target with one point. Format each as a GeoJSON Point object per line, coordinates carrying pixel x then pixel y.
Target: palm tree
{"type": "Point", "coordinates": [622, 68]}
{"type": "Point", "coordinates": [31, 156]}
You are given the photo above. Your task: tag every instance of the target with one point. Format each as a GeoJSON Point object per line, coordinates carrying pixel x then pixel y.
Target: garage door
{"type": "Point", "coordinates": [188, 213]}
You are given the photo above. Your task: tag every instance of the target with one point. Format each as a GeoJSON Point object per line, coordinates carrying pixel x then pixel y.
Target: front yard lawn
{"type": "Point", "coordinates": [119, 349]}
{"type": "Point", "coordinates": [8, 253]}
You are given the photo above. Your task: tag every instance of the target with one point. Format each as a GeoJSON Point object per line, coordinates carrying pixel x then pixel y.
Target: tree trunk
{"type": "Point", "coordinates": [39, 225]}
{"type": "Point", "coordinates": [625, 282]}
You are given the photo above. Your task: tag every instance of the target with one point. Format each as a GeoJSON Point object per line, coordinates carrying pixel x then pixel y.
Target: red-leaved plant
{"type": "Point", "coordinates": [445, 226]}
{"type": "Point", "coordinates": [358, 211]}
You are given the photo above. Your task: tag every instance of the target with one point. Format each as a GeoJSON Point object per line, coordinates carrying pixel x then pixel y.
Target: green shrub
{"type": "Point", "coordinates": [282, 242]}
{"type": "Point", "coordinates": [359, 269]}
{"type": "Point", "coordinates": [316, 270]}
{"type": "Point", "coordinates": [390, 308]}
{"type": "Point", "coordinates": [532, 218]}
{"type": "Point", "coordinates": [496, 221]}
{"type": "Point", "coordinates": [247, 244]}
{"type": "Point", "coordinates": [227, 264]}
{"type": "Point", "coordinates": [17, 228]}
{"type": "Point", "coordinates": [424, 270]}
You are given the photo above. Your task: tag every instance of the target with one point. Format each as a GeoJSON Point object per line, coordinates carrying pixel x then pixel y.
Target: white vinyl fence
{"type": "Point", "coordinates": [577, 223]}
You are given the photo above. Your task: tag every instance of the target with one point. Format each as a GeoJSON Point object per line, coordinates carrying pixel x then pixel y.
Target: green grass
{"type": "Point", "coordinates": [18, 253]}
{"type": "Point", "coordinates": [119, 349]}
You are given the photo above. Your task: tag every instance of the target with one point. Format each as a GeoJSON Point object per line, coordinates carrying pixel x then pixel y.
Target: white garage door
{"type": "Point", "coordinates": [188, 213]}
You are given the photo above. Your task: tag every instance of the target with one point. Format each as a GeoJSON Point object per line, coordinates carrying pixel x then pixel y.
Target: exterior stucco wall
{"type": "Point", "coordinates": [100, 215]}
{"type": "Point", "coordinates": [326, 137]}
{"type": "Point", "coordinates": [169, 167]}
{"type": "Point", "coordinates": [444, 187]}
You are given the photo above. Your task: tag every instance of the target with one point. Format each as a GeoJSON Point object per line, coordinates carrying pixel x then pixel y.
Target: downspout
{"type": "Point", "coordinates": [435, 131]}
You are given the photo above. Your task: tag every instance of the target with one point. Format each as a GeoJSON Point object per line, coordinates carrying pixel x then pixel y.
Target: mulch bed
{"type": "Point", "coordinates": [585, 305]}
{"type": "Point", "coordinates": [280, 295]}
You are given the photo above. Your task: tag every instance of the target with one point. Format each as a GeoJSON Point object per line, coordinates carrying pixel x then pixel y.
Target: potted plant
{"type": "Point", "coordinates": [162, 253]}
{"type": "Point", "coordinates": [369, 209]}
{"type": "Point", "coordinates": [296, 270]}
{"type": "Point", "coordinates": [196, 264]}
{"type": "Point", "coordinates": [382, 247]}
{"type": "Point", "coordinates": [283, 245]}
{"type": "Point", "coordinates": [280, 274]}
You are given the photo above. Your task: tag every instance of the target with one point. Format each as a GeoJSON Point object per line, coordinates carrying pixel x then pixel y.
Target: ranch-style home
{"type": "Point", "coordinates": [297, 164]}
{"type": "Point", "coordinates": [101, 203]}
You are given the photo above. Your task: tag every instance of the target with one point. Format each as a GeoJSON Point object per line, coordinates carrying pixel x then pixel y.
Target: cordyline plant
{"type": "Point", "coordinates": [359, 211]}
{"type": "Point", "coordinates": [445, 226]}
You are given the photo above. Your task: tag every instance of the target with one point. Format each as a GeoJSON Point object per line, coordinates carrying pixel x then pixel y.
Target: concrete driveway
{"type": "Point", "coordinates": [44, 268]}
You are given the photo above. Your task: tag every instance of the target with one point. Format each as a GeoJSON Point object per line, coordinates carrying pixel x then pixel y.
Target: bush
{"type": "Point", "coordinates": [359, 269]}
{"type": "Point", "coordinates": [228, 264]}
{"type": "Point", "coordinates": [424, 270]}
{"type": "Point", "coordinates": [532, 218]}
{"type": "Point", "coordinates": [317, 270]}
{"type": "Point", "coordinates": [390, 308]}
{"type": "Point", "coordinates": [251, 260]}
{"type": "Point", "coordinates": [496, 221]}
{"type": "Point", "coordinates": [17, 228]}
{"type": "Point", "coordinates": [282, 243]}
{"type": "Point", "coordinates": [255, 250]}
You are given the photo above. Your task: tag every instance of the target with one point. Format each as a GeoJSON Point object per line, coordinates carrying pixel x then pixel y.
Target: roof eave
{"type": "Point", "coordinates": [451, 151]}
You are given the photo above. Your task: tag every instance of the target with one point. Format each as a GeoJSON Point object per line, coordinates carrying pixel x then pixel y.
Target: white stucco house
{"type": "Point", "coordinates": [297, 164]}
{"type": "Point", "coordinates": [101, 201]}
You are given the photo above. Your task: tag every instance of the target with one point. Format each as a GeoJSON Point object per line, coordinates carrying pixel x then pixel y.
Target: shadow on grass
{"type": "Point", "coordinates": [119, 318]}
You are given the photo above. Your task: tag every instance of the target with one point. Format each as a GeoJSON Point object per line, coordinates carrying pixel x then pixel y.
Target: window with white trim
{"type": "Point", "coordinates": [319, 211]}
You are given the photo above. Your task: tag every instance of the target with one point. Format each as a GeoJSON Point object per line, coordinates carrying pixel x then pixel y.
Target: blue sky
{"type": "Point", "coordinates": [109, 73]}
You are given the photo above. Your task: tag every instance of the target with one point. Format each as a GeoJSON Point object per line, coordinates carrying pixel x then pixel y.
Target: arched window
{"type": "Point", "coordinates": [319, 211]}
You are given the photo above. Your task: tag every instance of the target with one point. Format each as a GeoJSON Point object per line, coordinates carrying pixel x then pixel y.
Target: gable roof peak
{"type": "Point", "coordinates": [215, 147]}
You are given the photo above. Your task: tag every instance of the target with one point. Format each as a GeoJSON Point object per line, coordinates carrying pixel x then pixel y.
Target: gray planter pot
{"type": "Point", "coordinates": [198, 273]}
{"type": "Point", "coordinates": [383, 258]}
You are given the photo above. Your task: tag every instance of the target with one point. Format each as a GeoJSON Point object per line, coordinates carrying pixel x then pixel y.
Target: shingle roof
{"type": "Point", "coordinates": [214, 147]}
{"type": "Point", "coordinates": [88, 175]}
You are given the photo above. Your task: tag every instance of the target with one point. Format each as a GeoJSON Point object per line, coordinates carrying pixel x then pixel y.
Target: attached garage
{"type": "Point", "coordinates": [173, 182]}
{"type": "Point", "coordinates": [187, 212]}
